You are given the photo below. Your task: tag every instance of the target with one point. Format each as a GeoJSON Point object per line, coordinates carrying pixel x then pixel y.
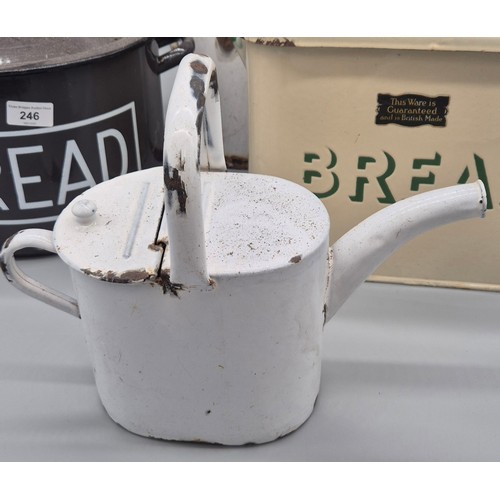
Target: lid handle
{"type": "Point", "coordinates": [193, 142]}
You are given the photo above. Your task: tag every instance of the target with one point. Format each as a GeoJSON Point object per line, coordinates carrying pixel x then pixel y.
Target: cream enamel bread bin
{"type": "Point", "coordinates": [203, 293]}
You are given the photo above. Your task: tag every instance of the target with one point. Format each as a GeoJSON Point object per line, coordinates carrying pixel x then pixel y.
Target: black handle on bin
{"type": "Point", "coordinates": [179, 47]}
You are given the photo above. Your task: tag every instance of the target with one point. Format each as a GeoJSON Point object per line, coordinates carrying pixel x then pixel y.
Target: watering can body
{"type": "Point", "coordinates": [237, 361]}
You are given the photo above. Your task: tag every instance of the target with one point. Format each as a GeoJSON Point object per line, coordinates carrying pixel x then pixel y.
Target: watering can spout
{"type": "Point", "coordinates": [361, 250]}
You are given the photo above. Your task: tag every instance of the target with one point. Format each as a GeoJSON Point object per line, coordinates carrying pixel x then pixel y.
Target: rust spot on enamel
{"type": "Point", "coordinates": [175, 184]}
{"type": "Point", "coordinates": [214, 84]}
{"type": "Point", "coordinates": [276, 42]}
{"type": "Point", "coordinates": [163, 279]}
{"type": "Point", "coordinates": [132, 276]}
{"type": "Point", "coordinates": [198, 67]}
{"type": "Point", "coordinates": [156, 247]}
{"type": "Point", "coordinates": [197, 86]}
{"type": "Point", "coordinates": [8, 241]}
{"type": "Point", "coordinates": [3, 267]}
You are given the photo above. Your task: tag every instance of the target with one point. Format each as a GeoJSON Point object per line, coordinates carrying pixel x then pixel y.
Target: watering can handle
{"type": "Point", "coordinates": [193, 142]}
{"type": "Point", "coordinates": [42, 240]}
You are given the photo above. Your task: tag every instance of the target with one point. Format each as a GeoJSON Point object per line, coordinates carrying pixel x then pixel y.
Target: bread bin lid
{"type": "Point", "coordinates": [22, 54]}
{"type": "Point", "coordinates": [454, 44]}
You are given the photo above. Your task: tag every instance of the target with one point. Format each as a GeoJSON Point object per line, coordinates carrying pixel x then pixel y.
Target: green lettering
{"type": "Point", "coordinates": [361, 181]}
{"type": "Point", "coordinates": [391, 166]}
{"type": "Point", "coordinates": [481, 174]}
{"type": "Point", "coordinates": [310, 174]}
{"type": "Point", "coordinates": [363, 161]}
{"type": "Point", "coordinates": [416, 182]}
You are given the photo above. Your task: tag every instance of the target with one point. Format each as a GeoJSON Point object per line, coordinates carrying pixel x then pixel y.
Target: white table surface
{"type": "Point", "coordinates": [409, 374]}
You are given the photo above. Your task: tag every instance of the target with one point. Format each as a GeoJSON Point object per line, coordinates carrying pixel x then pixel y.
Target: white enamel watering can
{"type": "Point", "coordinates": [203, 294]}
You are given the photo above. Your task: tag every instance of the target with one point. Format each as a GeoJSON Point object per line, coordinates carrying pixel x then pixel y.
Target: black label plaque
{"type": "Point", "coordinates": [412, 110]}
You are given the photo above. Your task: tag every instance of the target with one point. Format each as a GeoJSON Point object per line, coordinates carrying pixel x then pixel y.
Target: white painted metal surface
{"type": "Point", "coordinates": [230, 350]}
{"type": "Point", "coordinates": [356, 254]}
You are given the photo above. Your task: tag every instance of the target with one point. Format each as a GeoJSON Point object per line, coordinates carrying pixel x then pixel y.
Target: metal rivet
{"type": "Point", "coordinates": [84, 211]}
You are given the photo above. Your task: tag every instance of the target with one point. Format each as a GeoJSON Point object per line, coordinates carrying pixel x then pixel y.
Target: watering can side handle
{"type": "Point", "coordinates": [362, 249]}
{"type": "Point", "coordinates": [40, 239]}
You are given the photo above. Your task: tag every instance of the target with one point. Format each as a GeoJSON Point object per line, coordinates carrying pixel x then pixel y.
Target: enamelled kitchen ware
{"type": "Point", "coordinates": [203, 293]}
{"type": "Point", "coordinates": [75, 112]}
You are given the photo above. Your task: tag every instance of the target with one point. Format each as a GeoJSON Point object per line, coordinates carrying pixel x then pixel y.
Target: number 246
{"type": "Point", "coordinates": [29, 115]}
